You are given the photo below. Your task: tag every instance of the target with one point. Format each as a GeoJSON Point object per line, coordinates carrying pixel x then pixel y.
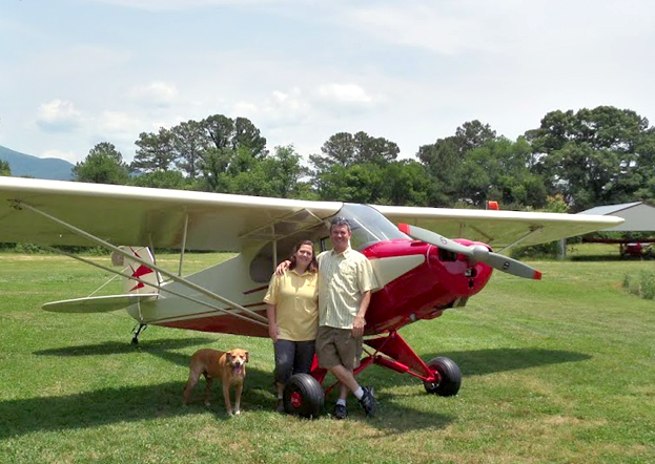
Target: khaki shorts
{"type": "Point", "coordinates": [337, 346]}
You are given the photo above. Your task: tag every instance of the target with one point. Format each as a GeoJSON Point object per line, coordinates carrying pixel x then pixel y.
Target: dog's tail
{"type": "Point", "coordinates": [133, 268]}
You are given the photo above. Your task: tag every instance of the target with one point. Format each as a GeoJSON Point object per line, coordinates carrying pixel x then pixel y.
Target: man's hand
{"type": "Point", "coordinates": [358, 326]}
{"type": "Point", "coordinates": [282, 267]}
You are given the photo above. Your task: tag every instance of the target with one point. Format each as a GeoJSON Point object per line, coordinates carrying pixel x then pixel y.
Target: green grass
{"type": "Point", "coordinates": [555, 371]}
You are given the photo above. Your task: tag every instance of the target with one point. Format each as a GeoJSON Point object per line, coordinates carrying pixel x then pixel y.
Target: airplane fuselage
{"type": "Point", "coordinates": [418, 281]}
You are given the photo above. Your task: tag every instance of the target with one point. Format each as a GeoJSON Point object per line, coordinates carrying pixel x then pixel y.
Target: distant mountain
{"type": "Point", "coordinates": [33, 166]}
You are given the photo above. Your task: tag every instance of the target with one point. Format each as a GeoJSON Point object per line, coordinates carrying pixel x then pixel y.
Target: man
{"type": "Point", "coordinates": [344, 292]}
{"type": "Point", "coordinates": [345, 283]}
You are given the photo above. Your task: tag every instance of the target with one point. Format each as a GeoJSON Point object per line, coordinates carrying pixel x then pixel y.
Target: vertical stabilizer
{"type": "Point", "coordinates": [137, 269]}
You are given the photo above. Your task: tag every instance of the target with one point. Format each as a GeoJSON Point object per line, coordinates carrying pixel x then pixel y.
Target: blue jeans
{"type": "Point", "coordinates": [292, 358]}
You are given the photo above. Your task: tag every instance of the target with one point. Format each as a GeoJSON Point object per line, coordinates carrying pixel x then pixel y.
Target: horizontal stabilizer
{"type": "Point", "coordinates": [97, 304]}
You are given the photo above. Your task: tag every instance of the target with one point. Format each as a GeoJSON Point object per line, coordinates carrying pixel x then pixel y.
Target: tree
{"type": "Point", "coordinates": [358, 183]}
{"type": "Point", "coordinates": [103, 165]}
{"type": "Point", "coordinates": [162, 179]}
{"type": "Point", "coordinates": [5, 170]}
{"type": "Point", "coordinates": [247, 135]}
{"type": "Point", "coordinates": [236, 171]}
{"type": "Point", "coordinates": [347, 149]}
{"type": "Point", "coordinates": [593, 157]}
{"type": "Point", "coordinates": [188, 141]}
{"type": "Point", "coordinates": [406, 184]}
{"type": "Point", "coordinates": [499, 170]}
{"type": "Point", "coordinates": [443, 159]}
{"type": "Point", "coordinates": [234, 134]}
{"type": "Point", "coordinates": [283, 170]}
{"type": "Point", "coordinates": [155, 152]}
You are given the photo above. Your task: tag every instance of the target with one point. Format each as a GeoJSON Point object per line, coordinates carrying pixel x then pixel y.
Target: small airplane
{"type": "Point", "coordinates": [421, 273]}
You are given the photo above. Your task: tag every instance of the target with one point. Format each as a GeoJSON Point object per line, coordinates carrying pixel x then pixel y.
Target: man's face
{"type": "Point", "coordinates": [340, 236]}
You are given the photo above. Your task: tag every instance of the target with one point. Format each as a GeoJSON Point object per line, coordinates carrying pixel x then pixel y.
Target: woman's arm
{"type": "Point", "coordinates": [272, 322]}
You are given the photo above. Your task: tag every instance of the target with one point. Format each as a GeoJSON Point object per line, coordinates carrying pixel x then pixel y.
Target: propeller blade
{"type": "Point", "coordinates": [434, 238]}
{"type": "Point", "coordinates": [477, 253]}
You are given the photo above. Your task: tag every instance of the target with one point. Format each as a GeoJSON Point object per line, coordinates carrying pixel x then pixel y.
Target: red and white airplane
{"type": "Point", "coordinates": [421, 273]}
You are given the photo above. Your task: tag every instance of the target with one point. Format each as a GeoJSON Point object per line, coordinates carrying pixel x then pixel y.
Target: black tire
{"type": "Point", "coordinates": [303, 396]}
{"type": "Point", "coordinates": [451, 377]}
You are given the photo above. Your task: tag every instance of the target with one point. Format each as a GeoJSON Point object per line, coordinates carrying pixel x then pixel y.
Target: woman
{"type": "Point", "coordinates": [292, 310]}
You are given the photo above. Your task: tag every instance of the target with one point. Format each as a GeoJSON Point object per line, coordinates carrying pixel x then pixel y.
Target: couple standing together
{"type": "Point", "coordinates": [335, 288]}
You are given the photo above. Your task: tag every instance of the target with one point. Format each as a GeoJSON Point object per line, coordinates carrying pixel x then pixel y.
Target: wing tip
{"type": "Point", "coordinates": [536, 275]}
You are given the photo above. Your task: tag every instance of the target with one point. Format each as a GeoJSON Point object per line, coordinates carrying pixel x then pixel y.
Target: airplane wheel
{"type": "Point", "coordinates": [303, 396]}
{"type": "Point", "coordinates": [451, 377]}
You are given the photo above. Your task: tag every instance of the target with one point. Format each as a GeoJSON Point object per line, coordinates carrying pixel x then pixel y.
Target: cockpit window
{"type": "Point", "coordinates": [368, 225]}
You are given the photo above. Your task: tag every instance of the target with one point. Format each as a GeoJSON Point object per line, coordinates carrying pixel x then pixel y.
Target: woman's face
{"type": "Point", "coordinates": [304, 255]}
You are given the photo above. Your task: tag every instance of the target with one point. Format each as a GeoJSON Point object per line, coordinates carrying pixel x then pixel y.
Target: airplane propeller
{"type": "Point", "coordinates": [476, 253]}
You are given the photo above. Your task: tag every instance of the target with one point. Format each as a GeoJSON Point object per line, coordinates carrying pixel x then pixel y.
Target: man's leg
{"type": "Point", "coordinates": [348, 383]}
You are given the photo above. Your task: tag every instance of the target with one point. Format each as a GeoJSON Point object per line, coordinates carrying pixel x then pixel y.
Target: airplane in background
{"type": "Point", "coordinates": [420, 271]}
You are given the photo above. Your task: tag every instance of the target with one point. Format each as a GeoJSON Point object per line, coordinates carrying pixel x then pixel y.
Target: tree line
{"type": "Point", "coordinates": [573, 161]}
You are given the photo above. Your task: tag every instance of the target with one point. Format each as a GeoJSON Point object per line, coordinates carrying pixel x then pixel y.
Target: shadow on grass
{"type": "Point", "coordinates": [126, 347]}
{"type": "Point", "coordinates": [392, 417]}
{"type": "Point", "coordinates": [160, 401]}
{"type": "Point", "coordinates": [111, 405]}
{"type": "Point", "coordinates": [482, 362]}
{"type": "Point", "coordinates": [489, 361]}
{"type": "Point", "coordinates": [145, 402]}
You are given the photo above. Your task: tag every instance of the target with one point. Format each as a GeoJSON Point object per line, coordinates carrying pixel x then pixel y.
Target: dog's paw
{"type": "Point", "coordinates": [207, 404]}
{"type": "Point", "coordinates": [237, 412]}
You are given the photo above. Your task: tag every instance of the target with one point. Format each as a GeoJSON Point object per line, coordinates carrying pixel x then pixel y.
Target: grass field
{"type": "Point", "coordinates": [560, 371]}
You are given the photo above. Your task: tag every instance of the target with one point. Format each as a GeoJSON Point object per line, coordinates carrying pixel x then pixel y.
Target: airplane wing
{"type": "Point", "coordinates": [224, 222]}
{"type": "Point", "coordinates": [500, 229]}
{"type": "Point", "coordinates": [146, 216]}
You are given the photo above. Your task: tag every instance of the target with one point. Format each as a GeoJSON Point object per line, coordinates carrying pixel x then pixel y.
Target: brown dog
{"type": "Point", "coordinates": [230, 367]}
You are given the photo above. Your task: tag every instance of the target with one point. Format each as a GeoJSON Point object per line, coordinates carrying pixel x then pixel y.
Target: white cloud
{"type": "Point", "coordinates": [280, 108]}
{"type": "Point", "coordinates": [157, 93]}
{"type": "Point", "coordinates": [422, 26]}
{"type": "Point", "coordinates": [117, 122]}
{"type": "Point", "coordinates": [349, 94]}
{"type": "Point", "coordinates": [58, 115]}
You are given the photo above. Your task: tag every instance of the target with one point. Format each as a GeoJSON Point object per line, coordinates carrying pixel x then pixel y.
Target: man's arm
{"type": "Point", "coordinates": [282, 267]}
{"type": "Point", "coordinates": [360, 319]}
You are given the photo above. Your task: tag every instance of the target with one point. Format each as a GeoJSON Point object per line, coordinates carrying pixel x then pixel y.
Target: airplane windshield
{"type": "Point", "coordinates": [368, 225]}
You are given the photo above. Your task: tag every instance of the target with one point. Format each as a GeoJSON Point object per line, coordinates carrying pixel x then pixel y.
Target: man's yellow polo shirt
{"type": "Point", "coordinates": [295, 298]}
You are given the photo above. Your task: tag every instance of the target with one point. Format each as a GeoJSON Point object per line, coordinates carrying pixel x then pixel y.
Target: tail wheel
{"type": "Point", "coordinates": [303, 396]}
{"type": "Point", "coordinates": [450, 377]}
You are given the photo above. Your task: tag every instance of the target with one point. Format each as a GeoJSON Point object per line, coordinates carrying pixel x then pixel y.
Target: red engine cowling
{"type": "Point", "coordinates": [423, 292]}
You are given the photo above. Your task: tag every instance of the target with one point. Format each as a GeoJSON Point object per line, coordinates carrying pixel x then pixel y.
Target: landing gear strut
{"type": "Point", "coordinates": [137, 331]}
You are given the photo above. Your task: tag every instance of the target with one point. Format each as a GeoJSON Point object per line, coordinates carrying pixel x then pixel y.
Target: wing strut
{"type": "Point", "coordinates": [253, 315]}
{"type": "Point", "coordinates": [530, 233]}
{"type": "Point", "coordinates": [186, 227]}
{"type": "Point", "coordinates": [159, 287]}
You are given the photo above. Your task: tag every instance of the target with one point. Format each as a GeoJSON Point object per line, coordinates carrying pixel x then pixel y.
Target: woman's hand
{"type": "Point", "coordinates": [273, 331]}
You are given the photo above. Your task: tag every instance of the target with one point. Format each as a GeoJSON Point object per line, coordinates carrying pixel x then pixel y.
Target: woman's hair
{"type": "Point", "coordinates": [313, 264]}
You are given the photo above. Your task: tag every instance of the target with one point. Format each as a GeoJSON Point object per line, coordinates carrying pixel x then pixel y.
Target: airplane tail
{"type": "Point", "coordinates": [137, 269]}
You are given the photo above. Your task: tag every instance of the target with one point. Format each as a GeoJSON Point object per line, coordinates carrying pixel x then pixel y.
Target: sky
{"type": "Point", "coordinates": [74, 73]}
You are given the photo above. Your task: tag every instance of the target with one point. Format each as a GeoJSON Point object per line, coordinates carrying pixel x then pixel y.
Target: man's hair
{"type": "Point", "coordinates": [339, 221]}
